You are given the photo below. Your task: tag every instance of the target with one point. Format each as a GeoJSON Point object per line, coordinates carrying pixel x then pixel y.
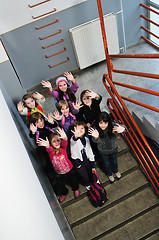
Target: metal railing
{"type": "Point", "coordinates": [135, 138]}
{"type": "Point", "coordinates": [150, 21]}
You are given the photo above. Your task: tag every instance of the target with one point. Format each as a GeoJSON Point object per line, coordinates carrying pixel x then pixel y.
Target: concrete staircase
{"type": "Point", "coordinates": [132, 211]}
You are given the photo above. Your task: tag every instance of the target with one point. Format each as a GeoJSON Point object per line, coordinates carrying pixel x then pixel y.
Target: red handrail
{"type": "Point", "coordinates": [149, 32]}
{"type": "Point", "coordinates": [105, 76]}
{"type": "Point", "coordinates": [51, 35]}
{"type": "Point", "coordinates": [47, 25]}
{"type": "Point", "coordinates": [137, 88]}
{"type": "Point", "coordinates": [44, 14]}
{"type": "Point", "coordinates": [134, 56]}
{"type": "Point", "coordinates": [62, 40]}
{"type": "Point", "coordinates": [35, 5]}
{"type": "Point", "coordinates": [126, 114]}
{"type": "Point", "coordinates": [150, 42]}
{"type": "Point", "coordinates": [152, 10]}
{"type": "Point", "coordinates": [134, 142]}
{"type": "Point", "coordinates": [149, 20]}
{"type": "Point", "coordinates": [56, 53]}
{"type": "Point", "coordinates": [149, 75]}
{"type": "Point", "coordinates": [140, 104]}
{"type": "Point", "coordinates": [114, 93]}
{"type": "Point", "coordinates": [59, 63]}
{"type": "Point", "coordinates": [109, 65]}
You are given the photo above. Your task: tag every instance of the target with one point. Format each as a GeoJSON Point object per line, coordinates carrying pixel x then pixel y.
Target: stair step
{"type": "Point", "coordinates": [124, 212]}
{"type": "Point", "coordinates": [126, 163]}
{"type": "Point", "coordinates": [155, 236]}
{"type": "Point", "coordinates": [122, 145]}
{"type": "Point", "coordinates": [137, 229]}
{"type": "Point", "coordinates": [82, 209]}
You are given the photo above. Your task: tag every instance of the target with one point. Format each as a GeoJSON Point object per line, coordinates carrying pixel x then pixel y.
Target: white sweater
{"type": "Point", "coordinates": [76, 148]}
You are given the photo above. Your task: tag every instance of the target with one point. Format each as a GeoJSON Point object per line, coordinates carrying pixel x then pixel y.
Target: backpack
{"type": "Point", "coordinates": [97, 194]}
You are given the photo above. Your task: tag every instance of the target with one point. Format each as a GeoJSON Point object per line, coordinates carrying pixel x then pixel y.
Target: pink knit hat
{"type": "Point", "coordinates": [60, 79]}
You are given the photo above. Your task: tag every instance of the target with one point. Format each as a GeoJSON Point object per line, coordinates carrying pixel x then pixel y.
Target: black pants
{"type": "Point", "coordinates": [85, 174]}
{"type": "Point", "coordinates": [69, 178]}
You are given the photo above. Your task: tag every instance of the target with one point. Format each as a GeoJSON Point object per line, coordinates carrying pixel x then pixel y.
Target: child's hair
{"type": "Point", "coordinates": [34, 117]}
{"type": "Point", "coordinates": [82, 94]}
{"type": "Point", "coordinates": [80, 123]}
{"type": "Point", "coordinates": [62, 103]}
{"type": "Point", "coordinates": [104, 116]}
{"type": "Point", "coordinates": [27, 96]}
{"type": "Point", "coordinates": [51, 136]}
{"type": "Point", "coordinates": [71, 96]}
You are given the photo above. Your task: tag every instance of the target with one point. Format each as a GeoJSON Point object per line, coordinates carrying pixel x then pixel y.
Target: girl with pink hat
{"type": "Point", "coordinates": [64, 91]}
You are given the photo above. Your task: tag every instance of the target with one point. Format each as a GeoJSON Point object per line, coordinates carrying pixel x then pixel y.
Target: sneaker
{"type": "Point", "coordinates": [118, 175]}
{"type": "Point", "coordinates": [62, 198]}
{"type": "Point", "coordinates": [88, 188]}
{"type": "Point", "coordinates": [77, 193]}
{"type": "Point", "coordinates": [111, 179]}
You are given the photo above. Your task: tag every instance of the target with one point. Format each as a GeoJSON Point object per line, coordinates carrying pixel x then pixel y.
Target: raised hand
{"type": "Point", "coordinates": [50, 118]}
{"type": "Point", "coordinates": [93, 132]}
{"type": "Point", "coordinates": [33, 128]}
{"type": "Point", "coordinates": [77, 132]}
{"type": "Point", "coordinates": [77, 105]}
{"type": "Point", "coordinates": [37, 95]}
{"type": "Point", "coordinates": [62, 133]}
{"type": "Point", "coordinates": [43, 143]}
{"type": "Point", "coordinates": [92, 94]}
{"type": "Point", "coordinates": [47, 84]}
{"type": "Point", "coordinates": [118, 128]}
{"type": "Point", "coordinates": [57, 116]}
{"type": "Point", "coordinates": [20, 106]}
{"type": "Point", "coordinates": [69, 76]}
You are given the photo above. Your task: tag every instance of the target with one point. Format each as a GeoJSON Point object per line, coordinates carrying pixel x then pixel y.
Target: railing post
{"type": "Point", "coordinates": [109, 64]}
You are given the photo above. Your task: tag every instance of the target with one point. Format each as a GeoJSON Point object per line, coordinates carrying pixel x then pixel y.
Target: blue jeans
{"type": "Point", "coordinates": [110, 163]}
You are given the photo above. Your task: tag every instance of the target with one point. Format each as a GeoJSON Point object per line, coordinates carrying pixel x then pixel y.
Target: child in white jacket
{"type": "Point", "coordinates": [82, 154]}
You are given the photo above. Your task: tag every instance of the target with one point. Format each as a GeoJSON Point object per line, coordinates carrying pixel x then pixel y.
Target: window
{"type": "Point", "coordinates": [154, 4]}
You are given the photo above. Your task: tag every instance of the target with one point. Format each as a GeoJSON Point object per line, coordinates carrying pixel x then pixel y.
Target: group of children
{"type": "Point", "coordinates": [70, 137]}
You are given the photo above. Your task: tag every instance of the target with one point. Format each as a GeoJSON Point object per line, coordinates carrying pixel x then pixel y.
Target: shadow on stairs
{"type": "Point", "coordinates": [132, 211]}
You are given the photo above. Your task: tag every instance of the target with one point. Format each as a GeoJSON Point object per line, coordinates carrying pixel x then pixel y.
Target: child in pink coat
{"type": "Point", "coordinates": [56, 148]}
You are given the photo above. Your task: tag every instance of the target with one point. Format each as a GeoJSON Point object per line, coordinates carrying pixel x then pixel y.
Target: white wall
{"type": "Point", "coordinates": [3, 55]}
{"type": "Point", "coordinates": [24, 210]}
{"type": "Point", "coordinates": [14, 14]}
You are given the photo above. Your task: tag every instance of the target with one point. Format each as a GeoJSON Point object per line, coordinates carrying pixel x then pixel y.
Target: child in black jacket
{"type": "Point", "coordinates": [91, 107]}
{"type": "Point", "coordinates": [40, 128]}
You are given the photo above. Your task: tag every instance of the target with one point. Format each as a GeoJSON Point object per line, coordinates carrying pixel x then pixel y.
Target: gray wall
{"type": "Point", "coordinates": [11, 82]}
{"type": "Point", "coordinates": [25, 48]}
{"type": "Point", "coordinates": [33, 157]}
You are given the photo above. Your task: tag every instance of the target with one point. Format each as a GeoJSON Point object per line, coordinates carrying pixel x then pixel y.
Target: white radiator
{"type": "Point", "coordinates": [88, 43]}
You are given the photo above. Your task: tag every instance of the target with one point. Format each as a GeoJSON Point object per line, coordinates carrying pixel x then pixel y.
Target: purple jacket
{"type": "Point", "coordinates": [73, 88]}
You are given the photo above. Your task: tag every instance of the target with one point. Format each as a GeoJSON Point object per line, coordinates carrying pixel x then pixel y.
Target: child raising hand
{"type": "Point", "coordinates": [64, 90]}
{"type": "Point", "coordinates": [107, 144]}
{"type": "Point", "coordinates": [31, 103]}
{"type": "Point", "coordinates": [56, 148]}
{"type": "Point", "coordinates": [81, 153]}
